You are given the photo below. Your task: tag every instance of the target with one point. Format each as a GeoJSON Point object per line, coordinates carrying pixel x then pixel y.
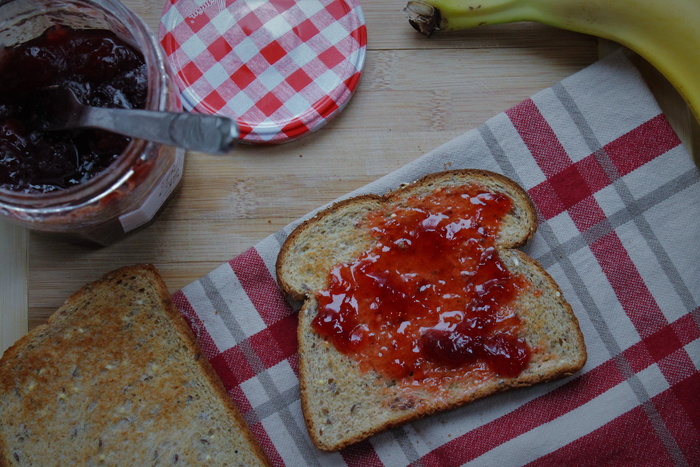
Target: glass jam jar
{"type": "Point", "coordinates": [132, 189]}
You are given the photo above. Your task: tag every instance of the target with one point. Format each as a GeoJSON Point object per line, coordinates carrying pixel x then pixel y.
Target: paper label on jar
{"type": "Point", "coordinates": [157, 198]}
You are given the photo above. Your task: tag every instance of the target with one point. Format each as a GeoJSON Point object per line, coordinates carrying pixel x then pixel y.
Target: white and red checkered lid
{"type": "Point", "coordinates": [281, 68]}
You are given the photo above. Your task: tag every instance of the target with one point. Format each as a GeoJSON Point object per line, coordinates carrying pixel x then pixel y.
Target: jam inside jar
{"type": "Point", "coordinates": [86, 186]}
{"type": "Point", "coordinates": [431, 298]}
{"type": "Point", "coordinates": [101, 69]}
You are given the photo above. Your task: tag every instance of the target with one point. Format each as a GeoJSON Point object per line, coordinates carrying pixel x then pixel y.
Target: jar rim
{"type": "Point", "coordinates": [107, 180]}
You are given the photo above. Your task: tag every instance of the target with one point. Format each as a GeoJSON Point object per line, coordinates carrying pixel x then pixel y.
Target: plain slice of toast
{"type": "Point", "coordinates": [344, 404]}
{"type": "Point", "coordinates": [115, 377]}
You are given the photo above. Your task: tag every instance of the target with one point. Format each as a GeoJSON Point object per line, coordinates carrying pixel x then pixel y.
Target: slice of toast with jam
{"type": "Point", "coordinates": [418, 301]}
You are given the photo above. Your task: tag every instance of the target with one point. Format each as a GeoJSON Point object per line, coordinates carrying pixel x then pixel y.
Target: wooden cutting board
{"type": "Point", "coordinates": [416, 93]}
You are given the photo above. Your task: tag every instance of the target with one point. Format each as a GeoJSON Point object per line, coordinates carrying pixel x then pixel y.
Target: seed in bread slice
{"type": "Point", "coordinates": [115, 377]}
{"type": "Point", "coordinates": [346, 399]}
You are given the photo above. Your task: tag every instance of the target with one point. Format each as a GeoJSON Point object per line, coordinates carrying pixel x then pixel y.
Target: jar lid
{"type": "Point", "coordinates": [281, 68]}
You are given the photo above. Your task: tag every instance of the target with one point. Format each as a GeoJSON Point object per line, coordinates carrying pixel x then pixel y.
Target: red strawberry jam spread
{"type": "Point", "coordinates": [431, 297]}
{"type": "Point", "coordinates": [101, 69]}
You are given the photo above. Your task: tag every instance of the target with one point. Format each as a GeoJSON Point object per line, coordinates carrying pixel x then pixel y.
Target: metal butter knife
{"type": "Point", "coordinates": [205, 133]}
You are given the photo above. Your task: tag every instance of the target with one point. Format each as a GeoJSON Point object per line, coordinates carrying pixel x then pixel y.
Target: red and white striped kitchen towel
{"type": "Point", "coordinates": [619, 203]}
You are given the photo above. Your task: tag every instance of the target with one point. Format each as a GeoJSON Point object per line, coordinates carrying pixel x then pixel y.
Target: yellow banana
{"type": "Point", "coordinates": [665, 32]}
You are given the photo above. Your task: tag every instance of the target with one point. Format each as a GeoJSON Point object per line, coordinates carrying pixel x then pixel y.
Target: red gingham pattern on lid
{"type": "Point", "coordinates": [281, 68]}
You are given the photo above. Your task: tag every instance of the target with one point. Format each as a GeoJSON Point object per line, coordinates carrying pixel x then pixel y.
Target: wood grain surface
{"type": "Point", "coordinates": [416, 93]}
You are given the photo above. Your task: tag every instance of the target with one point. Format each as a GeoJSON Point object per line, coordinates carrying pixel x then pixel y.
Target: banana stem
{"type": "Point", "coordinates": [427, 18]}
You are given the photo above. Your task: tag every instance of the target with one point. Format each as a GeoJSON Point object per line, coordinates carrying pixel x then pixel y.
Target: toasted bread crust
{"type": "Point", "coordinates": [286, 255]}
{"type": "Point", "coordinates": [329, 379]}
{"type": "Point", "coordinates": [191, 342]}
{"type": "Point", "coordinates": [116, 375]}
